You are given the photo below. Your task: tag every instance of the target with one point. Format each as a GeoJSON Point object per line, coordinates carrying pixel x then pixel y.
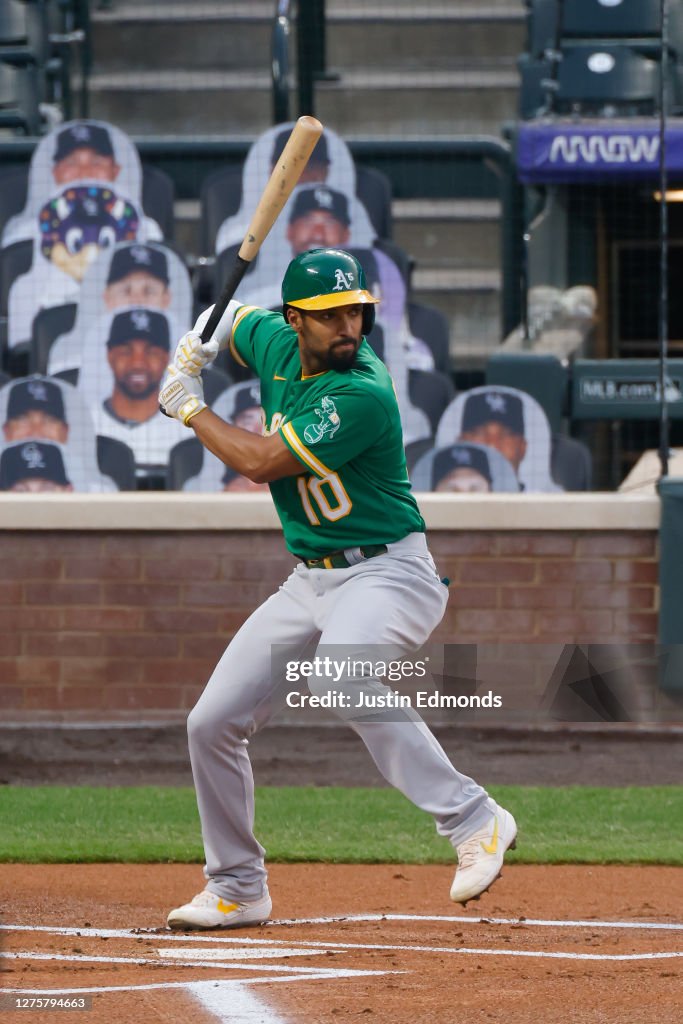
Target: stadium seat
{"type": "Point", "coordinates": [402, 259]}
{"type": "Point", "coordinates": [610, 76]}
{"type": "Point", "coordinates": [431, 392]}
{"type": "Point", "coordinates": [14, 260]}
{"type": "Point", "coordinates": [571, 463]}
{"type": "Point", "coordinates": [158, 196]}
{"type": "Point", "coordinates": [594, 81]}
{"type": "Point", "coordinates": [415, 449]}
{"type": "Point", "coordinates": [553, 24]}
{"type": "Point", "coordinates": [13, 182]}
{"type": "Point", "coordinates": [48, 325]}
{"type": "Point", "coordinates": [19, 98]}
{"type": "Point", "coordinates": [24, 37]}
{"type": "Point", "coordinates": [431, 326]}
{"type": "Point", "coordinates": [116, 460]}
{"type": "Point", "coordinates": [184, 460]}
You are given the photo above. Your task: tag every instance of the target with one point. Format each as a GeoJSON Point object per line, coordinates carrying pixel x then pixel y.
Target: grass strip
{"type": "Point", "coordinates": [582, 825]}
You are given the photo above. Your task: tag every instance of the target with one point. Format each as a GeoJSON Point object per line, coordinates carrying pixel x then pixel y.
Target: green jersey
{"type": "Point", "coordinates": [345, 430]}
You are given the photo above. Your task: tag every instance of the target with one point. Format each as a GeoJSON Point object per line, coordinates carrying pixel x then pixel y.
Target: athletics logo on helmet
{"type": "Point", "coordinates": [344, 281]}
{"type": "Point", "coordinates": [325, 278]}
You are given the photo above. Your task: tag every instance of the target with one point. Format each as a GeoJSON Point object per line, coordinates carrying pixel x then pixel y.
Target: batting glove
{"type": "Point", "coordinates": [190, 355]}
{"type": "Point", "coordinates": [180, 396]}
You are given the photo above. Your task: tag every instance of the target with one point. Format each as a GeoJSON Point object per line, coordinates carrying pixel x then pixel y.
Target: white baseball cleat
{"type": "Point", "coordinates": [480, 857]}
{"type": "Point", "coordinates": [207, 910]}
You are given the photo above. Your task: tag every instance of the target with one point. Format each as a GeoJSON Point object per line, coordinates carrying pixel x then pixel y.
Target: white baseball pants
{"type": "Point", "coordinates": [390, 602]}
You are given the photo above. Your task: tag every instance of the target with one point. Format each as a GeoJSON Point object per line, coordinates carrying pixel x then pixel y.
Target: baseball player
{"type": "Point", "coordinates": [332, 454]}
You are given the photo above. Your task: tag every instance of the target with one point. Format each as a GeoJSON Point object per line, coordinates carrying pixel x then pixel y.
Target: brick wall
{"type": "Point", "coordinates": [127, 625]}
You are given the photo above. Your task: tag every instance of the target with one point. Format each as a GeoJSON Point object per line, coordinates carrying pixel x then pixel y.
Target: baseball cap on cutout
{"type": "Point", "coordinates": [31, 460]}
{"type": "Point", "coordinates": [460, 456]}
{"type": "Point", "coordinates": [496, 406]}
{"type": "Point", "coordinates": [44, 395]}
{"type": "Point", "coordinates": [132, 258]}
{"type": "Point", "coordinates": [139, 324]}
{"type": "Point", "coordinates": [83, 135]}
{"type": "Point", "coordinates": [320, 197]}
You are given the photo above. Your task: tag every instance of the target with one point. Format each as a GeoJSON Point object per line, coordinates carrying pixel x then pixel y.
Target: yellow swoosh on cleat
{"type": "Point", "coordinates": [226, 908]}
{"type": "Point", "coordinates": [493, 845]}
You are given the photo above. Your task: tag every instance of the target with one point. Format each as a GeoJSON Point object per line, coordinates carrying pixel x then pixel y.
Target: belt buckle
{"type": "Point", "coordinates": [321, 563]}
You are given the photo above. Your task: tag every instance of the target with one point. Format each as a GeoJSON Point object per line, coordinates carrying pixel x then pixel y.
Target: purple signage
{"type": "Point", "coordinates": [571, 152]}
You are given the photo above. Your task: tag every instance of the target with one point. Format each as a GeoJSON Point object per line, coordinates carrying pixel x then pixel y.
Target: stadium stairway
{"type": "Point", "coordinates": [163, 67]}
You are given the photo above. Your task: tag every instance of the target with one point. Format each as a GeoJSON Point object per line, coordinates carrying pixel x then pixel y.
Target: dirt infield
{"type": "Point", "coordinates": [586, 945]}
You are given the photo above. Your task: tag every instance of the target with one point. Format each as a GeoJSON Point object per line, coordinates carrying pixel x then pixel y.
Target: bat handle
{"type": "Point", "coordinates": [231, 285]}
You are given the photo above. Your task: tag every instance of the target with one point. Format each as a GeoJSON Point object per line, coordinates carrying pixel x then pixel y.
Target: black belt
{"type": "Point", "coordinates": [338, 560]}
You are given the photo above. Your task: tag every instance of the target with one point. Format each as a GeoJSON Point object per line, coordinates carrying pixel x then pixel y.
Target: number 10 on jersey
{"type": "Point", "coordinates": [313, 487]}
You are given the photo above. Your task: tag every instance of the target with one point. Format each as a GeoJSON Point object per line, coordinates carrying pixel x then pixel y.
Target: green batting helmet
{"type": "Point", "coordinates": [324, 278]}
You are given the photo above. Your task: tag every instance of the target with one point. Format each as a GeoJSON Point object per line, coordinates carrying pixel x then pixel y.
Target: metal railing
{"type": "Point", "coordinates": [280, 60]}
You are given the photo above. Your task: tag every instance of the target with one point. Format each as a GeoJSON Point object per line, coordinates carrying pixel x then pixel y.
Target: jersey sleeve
{"type": "Point", "coordinates": [334, 430]}
{"type": "Point", "coordinates": [255, 333]}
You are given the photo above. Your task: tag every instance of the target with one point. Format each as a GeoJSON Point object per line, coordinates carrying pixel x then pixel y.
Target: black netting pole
{"type": "Point", "coordinates": [663, 249]}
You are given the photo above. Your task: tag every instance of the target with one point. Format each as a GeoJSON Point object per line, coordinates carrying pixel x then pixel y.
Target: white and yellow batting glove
{"type": "Point", "coordinates": [190, 355]}
{"type": "Point", "coordinates": [180, 396]}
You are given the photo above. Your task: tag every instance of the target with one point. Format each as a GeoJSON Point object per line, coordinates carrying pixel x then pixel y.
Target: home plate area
{"type": "Point", "coordinates": [475, 965]}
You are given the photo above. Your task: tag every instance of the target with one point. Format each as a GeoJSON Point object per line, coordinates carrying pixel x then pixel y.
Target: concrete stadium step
{"type": "Point", "coordinates": [195, 103]}
{"type": "Point", "coordinates": [458, 232]}
{"type": "Point", "coordinates": [469, 100]}
{"type": "Point", "coordinates": [384, 104]}
{"type": "Point", "coordinates": [440, 35]}
{"type": "Point", "coordinates": [214, 35]}
{"type": "Point", "coordinates": [199, 35]}
{"type": "Point", "coordinates": [471, 301]}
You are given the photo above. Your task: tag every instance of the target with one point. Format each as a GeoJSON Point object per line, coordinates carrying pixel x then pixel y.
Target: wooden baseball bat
{"type": "Point", "coordinates": [279, 187]}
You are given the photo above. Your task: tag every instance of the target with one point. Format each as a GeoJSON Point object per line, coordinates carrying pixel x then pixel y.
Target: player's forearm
{"type": "Point", "coordinates": [260, 459]}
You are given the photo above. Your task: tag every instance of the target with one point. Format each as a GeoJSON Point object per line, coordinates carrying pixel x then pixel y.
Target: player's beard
{"type": "Point", "coordinates": [342, 360]}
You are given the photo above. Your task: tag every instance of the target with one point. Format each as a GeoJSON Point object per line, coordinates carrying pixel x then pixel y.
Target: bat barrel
{"type": "Point", "coordinates": [280, 185]}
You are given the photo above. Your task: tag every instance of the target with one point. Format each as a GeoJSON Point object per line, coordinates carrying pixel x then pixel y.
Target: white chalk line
{"type": "Point", "coordinates": [452, 919]}
{"type": "Point", "coordinates": [237, 953]}
{"type": "Point", "coordinates": [333, 972]}
{"type": "Point", "coordinates": [161, 962]}
{"type": "Point", "coordinates": [127, 933]}
{"type": "Point", "coordinates": [234, 1005]}
{"type": "Point", "coordinates": [91, 989]}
